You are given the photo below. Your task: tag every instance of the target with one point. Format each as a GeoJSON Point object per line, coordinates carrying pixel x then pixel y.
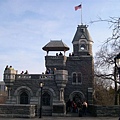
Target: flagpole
{"type": "Point", "coordinates": [79, 7]}
{"type": "Point", "coordinates": [81, 14]}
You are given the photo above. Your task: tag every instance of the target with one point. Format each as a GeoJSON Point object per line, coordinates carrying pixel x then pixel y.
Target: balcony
{"type": "Point", "coordinates": [34, 76]}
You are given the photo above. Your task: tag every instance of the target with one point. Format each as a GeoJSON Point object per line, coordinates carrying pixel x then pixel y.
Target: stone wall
{"type": "Point", "coordinates": [83, 65]}
{"type": "Point", "coordinates": [104, 111]}
{"type": "Point", "coordinates": [17, 110]}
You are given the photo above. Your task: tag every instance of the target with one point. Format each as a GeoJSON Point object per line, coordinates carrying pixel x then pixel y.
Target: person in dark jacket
{"type": "Point", "coordinates": [79, 106]}
{"type": "Point", "coordinates": [84, 108]}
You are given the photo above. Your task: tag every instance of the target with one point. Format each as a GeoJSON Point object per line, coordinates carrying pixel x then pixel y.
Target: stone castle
{"type": "Point", "coordinates": [69, 77]}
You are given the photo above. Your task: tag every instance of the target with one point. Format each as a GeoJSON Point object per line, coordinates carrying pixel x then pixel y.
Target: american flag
{"type": "Point", "coordinates": [78, 7]}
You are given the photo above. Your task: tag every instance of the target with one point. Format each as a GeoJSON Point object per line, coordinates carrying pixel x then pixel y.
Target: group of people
{"type": "Point", "coordinates": [26, 72]}
{"type": "Point", "coordinates": [11, 68]}
{"type": "Point", "coordinates": [60, 54]}
{"type": "Point", "coordinates": [50, 71]}
{"type": "Point", "coordinates": [71, 54]}
{"type": "Point", "coordinates": [79, 107]}
{"type": "Point", "coordinates": [8, 68]}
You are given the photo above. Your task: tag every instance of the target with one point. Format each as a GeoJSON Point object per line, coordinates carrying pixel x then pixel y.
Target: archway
{"type": "Point", "coordinates": [76, 96]}
{"type": "Point", "coordinates": [20, 90]}
{"type": "Point", "coordinates": [24, 98]}
{"type": "Point", "coordinates": [46, 99]}
{"type": "Point", "coordinates": [75, 100]}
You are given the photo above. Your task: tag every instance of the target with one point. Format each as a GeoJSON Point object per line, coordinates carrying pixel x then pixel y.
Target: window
{"type": "Point", "coordinates": [77, 78]}
{"type": "Point", "coordinates": [82, 45]}
{"type": "Point", "coordinates": [74, 77]}
{"type": "Point", "coordinates": [46, 99]}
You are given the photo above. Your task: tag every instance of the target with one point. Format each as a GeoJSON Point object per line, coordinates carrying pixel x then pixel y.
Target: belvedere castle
{"type": "Point", "coordinates": [69, 77]}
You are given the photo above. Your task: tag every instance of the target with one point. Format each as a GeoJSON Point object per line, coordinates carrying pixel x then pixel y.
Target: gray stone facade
{"type": "Point", "coordinates": [73, 78]}
{"type": "Point", "coordinates": [104, 111]}
{"type": "Point", "coordinates": [17, 110]}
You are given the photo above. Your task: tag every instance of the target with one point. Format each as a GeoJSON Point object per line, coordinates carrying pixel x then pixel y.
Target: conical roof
{"type": "Point", "coordinates": [56, 45]}
{"type": "Point", "coordinates": [82, 31]}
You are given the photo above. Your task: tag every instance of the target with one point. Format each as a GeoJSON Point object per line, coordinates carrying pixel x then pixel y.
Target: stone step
{"type": "Point", "coordinates": [72, 115]}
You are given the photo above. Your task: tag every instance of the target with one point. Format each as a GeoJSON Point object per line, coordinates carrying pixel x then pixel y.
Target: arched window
{"type": "Point", "coordinates": [74, 77]}
{"type": "Point", "coordinates": [46, 99]}
{"type": "Point", "coordinates": [83, 45]}
{"type": "Point", "coordinates": [24, 98]}
{"type": "Point", "coordinates": [77, 78]}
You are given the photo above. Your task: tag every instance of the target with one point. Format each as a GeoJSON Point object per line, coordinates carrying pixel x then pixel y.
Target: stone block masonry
{"type": "Point", "coordinates": [104, 111]}
{"type": "Point", "coordinates": [17, 110]}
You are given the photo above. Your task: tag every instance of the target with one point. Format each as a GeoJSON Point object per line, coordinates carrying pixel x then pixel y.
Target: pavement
{"type": "Point", "coordinates": [64, 118]}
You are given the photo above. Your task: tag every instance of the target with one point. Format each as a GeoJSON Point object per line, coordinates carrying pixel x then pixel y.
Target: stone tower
{"type": "Point", "coordinates": [80, 67]}
{"type": "Point", "coordinates": [79, 64]}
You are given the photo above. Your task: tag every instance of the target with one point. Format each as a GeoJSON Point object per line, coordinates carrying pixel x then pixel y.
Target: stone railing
{"type": "Point", "coordinates": [17, 110]}
{"type": "Point", "coordinates": [104, 111]}
{"type": "Point", "coordinates": [55, 60]}
{"type": "Point", "coordinates": [56, 57]}
{"type": "Point", "coordinates": [34, 76]}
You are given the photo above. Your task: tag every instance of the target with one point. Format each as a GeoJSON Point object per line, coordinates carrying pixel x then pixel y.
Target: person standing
{"type": "Point", "coordinates": [79, 106]}
{"type": "Point", "coordinates": [6, 68]}
{"type": "Point", "coordinates": [26, 72]}
{"type": "Point", "coordinates": [68, 105]}
{"type": "Point", "coordinates": [84, 108]}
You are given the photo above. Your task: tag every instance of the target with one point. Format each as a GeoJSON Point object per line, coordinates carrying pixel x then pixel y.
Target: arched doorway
{"type": "Point", "coordinates": [24, 98]}
{"type": "Point", "coordinates": [46, 103]}
{"type": "Point", "coordinates": [76, 96]}
{"type": "Point", "coordinates": [75, 100]}
{"type": "Point", "coordinates": [46, 99]}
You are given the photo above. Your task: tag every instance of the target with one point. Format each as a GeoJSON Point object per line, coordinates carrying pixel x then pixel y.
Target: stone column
{"type": "Point", "coordinates": [59, 106]}
{"type": "Point", "coordinates": [62, 94]}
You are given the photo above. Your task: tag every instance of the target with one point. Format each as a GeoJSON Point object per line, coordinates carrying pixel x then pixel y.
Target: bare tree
{"type": "Point", "coordinates": [104, 58]}
{"type": "Point", "coordinates": [114, 39]}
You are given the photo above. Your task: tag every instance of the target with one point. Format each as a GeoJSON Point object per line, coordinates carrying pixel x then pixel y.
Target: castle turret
{"type": "Point", "coordinates": [9, 78]}
{"type": "Point", "coordinates": [82, 42]}
{"type": "Point", "coordinates": [59, 60]}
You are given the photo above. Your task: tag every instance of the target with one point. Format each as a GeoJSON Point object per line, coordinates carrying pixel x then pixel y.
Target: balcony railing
{"type": "Point", "coordinates": [34, 76]}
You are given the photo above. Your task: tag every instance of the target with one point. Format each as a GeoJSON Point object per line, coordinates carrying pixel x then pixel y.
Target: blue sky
{"type": "Point", "coordinates": [27, 25]}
